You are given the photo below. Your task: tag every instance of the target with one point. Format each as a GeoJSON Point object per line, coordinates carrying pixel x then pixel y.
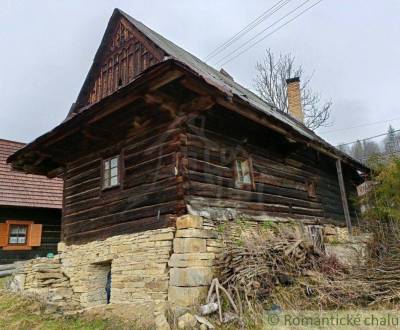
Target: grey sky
{"type": "Point", "coordinates": [351, 46]}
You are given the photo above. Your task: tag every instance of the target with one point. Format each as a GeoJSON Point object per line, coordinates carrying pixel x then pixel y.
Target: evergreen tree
{"type": "Point", "coordinates": [371, 148]}
{"type": "Point", "coordinates": [357, 151]}
{"type": "Point", "coordinates": [391, 142]}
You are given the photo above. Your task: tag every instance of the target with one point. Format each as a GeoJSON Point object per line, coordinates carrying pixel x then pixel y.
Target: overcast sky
{"type": "Point", "coordinates": [351, 46]}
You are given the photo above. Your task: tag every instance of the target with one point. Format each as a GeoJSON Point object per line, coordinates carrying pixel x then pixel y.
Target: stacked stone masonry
{"type": "Point", "coordinates": [44, 279]}
{"type": "Point", "coordinates": [139, 271]}
{"type": "Point", "coordinates": [193, 263]}
{"type": "Point", "coordinates": [150, 271]}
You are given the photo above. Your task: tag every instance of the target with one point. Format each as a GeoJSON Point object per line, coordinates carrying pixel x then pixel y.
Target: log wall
{"type": "Point", "coordinates": [148, 197]}
{"type": "Point", "coordinates": [171, 166]}
{"type": "Point", "coordinates": [282, 171]}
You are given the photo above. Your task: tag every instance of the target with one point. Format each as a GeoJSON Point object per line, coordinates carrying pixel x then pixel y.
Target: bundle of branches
{"type": "Point", "coordinates": [288, 271]}
{"type": "Point", "coordinates": [257, 265]}
{"type": "Point", "coordinates": [381, 270]}
{"type": "Point", "coordinates": [376, 282]}
{"type": "Point", "coordinates": [291, 273]}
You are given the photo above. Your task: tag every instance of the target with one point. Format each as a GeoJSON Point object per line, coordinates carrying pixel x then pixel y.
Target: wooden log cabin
{"type": "Point", "coordinates": [30, 211]}
{"type": "Point", "coordinates": [156, 133]}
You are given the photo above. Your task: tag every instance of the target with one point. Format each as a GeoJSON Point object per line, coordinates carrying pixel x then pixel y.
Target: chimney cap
{"type": "Point", "coordinates": [292, 80]}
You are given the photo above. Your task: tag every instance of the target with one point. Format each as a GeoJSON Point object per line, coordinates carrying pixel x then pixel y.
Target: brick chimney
{"type": "Point", "coordinates": [294, 98]}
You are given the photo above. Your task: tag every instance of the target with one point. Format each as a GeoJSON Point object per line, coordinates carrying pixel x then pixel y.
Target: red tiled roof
{"type": "Point", "coordinates": [28, 190]}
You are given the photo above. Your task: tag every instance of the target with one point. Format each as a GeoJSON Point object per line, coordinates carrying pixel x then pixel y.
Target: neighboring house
{"type": "Point", "coordinates": [30, 211]}
{"type": "Point", "coordinates": [156, 133]}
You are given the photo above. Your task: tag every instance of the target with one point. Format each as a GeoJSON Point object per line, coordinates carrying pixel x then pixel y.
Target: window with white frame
{"type": "Point", "coordinates": [111, 175]}
{"type": "Point", "coordinates": [18, 234]}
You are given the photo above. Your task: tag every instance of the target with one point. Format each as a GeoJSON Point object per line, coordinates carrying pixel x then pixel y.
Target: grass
{"type": "Point", "coordinates": [18, 313]}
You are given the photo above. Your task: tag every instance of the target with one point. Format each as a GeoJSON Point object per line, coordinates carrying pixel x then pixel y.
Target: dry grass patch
{"type": "Point", "coordinates": [20, 313]}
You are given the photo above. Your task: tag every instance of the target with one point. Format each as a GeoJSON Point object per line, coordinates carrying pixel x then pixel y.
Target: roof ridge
{"type": "Point", "coordinates": [219, 75]}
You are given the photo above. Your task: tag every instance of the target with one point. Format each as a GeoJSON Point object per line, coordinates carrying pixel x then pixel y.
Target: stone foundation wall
{"type": "Point", "coordinates": [350, 250]}
{"type": "Point", "coordinates": [139, 270]}
{"type": "Point", "coordinates": [157, 269]}
{"type": "Point", "coordinates": [193, 263]}
{"type": "Point", "coordinates": [44, 279]}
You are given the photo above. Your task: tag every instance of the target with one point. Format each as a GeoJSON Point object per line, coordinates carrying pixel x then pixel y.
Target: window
{"type": "Point", "coordinates": [18, 234]}
{"type": "Point", "coordinates": [311, 190]}
{"type": "Point", "coordinates": [111, 172]}
{"type": "Point", "coordinates": [243, 173]}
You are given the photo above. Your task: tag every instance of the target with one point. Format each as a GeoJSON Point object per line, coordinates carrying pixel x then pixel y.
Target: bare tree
{"type": "Point", "coordinates": [270, 83]}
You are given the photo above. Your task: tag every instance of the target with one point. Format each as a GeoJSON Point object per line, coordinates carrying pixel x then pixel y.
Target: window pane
{"type": "Point", "coordinates": [243, 172]}
{"type": "Point", "coordinates": [22, 230]}
{"type": "Point", "coordinates": [114, 171]}
{"type": "Point", "coordinates": [106, 175]}
{"type": "Point", "coordinates": [18, 234]}
{"type": "Point", "coordinates": [21, 240]}
{"type": "Point", "coordinates": [245, 167]}
{"type": "Point", "coordinates": [239, 171]}
{"type": "Point", "coordinates": [247, 178]}
{"type": "Point", "coordinates": [114, 181]}
{"type": "Point", "coordinates": [111, 172]}
{"type": "Point", "coordinates": [114, 162]}
{"type": "Point", "coordinates": [13, 240]}
{"type": "Point", "coordinates": [14, 230]}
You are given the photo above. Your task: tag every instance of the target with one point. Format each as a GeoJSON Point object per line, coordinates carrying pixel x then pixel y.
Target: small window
{"type": "Point", "coordinates": [311, 190]}
{"type": "Point", "coordinates": [111, 172]}
{"type": "Point", "coordinates": [243, 173]}
{"type": "Point", "coordinates": [18, 234]}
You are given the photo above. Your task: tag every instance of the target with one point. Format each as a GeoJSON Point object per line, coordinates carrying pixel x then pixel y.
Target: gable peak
{"type": "Point", "coordinates": [123, 54]}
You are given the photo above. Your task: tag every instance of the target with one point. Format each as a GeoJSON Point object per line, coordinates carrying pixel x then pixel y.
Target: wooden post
{"type": "Point", "coordinates": [343, 194]}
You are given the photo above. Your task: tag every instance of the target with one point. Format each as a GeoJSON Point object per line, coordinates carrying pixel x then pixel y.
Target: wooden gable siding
{"type": "Point", "coordinates": [51, 231]}
{"type": "Point", "coordinates": [149, 195]}
{"type": "Point", "coordinates": [126, 54]}
{"type": "Point", "coordinates": [281, 172]}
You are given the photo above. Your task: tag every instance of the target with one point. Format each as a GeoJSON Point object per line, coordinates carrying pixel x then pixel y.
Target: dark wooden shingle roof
{"type": "Point", "coordinates": [26, 190]}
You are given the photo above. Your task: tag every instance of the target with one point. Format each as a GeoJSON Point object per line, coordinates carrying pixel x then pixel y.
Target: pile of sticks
{"type": "Point", "coordinates": [382, 269]}
{"type": "Point", "coordinates": [257, 265]}
{"type": "Point", "coordinates": [279, 268]}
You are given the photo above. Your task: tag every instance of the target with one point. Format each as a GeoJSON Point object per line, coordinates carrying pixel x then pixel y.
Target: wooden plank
{"type": "Point", "coordinates": [343, 195]}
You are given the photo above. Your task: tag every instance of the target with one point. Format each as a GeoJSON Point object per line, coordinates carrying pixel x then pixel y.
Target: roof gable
{"type": "Point", "coordinates": [217, 78]}
{"type": "Point", "coordinates": [123, 54]}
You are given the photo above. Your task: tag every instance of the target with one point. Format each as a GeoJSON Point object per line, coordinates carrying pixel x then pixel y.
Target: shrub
{"type": "Point", "coordinates": [383, 199]}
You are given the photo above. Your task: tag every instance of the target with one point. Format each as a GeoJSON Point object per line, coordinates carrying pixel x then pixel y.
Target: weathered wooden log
{"type": "Point", "coordinates": [7, 272]}
{"type": "Point", "coordinates": [7, 267]}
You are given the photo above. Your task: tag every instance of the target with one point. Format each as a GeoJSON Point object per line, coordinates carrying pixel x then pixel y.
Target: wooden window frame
{"type": "Point", "coordinates": [119, 157]}
{"type": "Point", "coordinates": [20, 247]}
{"type": "Point", "coordinates": [26, 235]}
{"type": "Point", "coordinates": [241, 185]}
{"type": "Point", "coordinates": [311, 189]}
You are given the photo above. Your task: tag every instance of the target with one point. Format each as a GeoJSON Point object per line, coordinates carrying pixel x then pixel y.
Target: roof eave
{"type": "Point", "coordinates": [161, 67]}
